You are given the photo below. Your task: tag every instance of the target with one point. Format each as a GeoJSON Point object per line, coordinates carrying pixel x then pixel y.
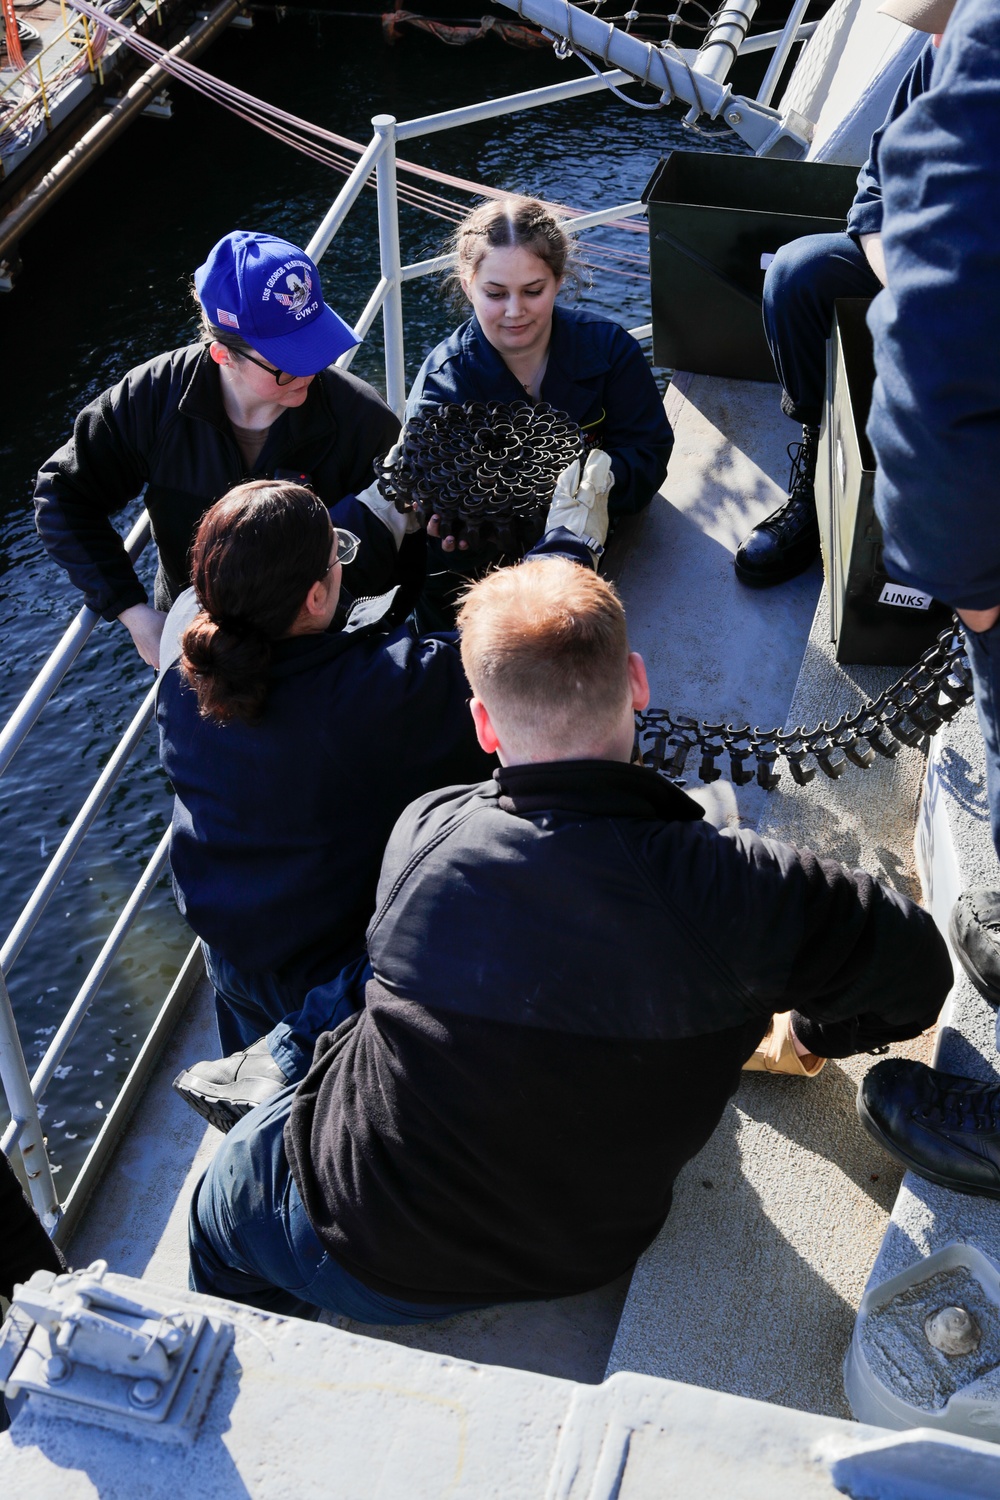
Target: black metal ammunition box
{"type": "Point", "coordinates": [873, 621]}
{"type": "Point", "coordinates": [714, 222]}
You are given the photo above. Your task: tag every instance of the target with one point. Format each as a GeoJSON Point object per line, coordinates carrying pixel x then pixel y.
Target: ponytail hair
{"type": "Point", "coordinates": [255, 556]}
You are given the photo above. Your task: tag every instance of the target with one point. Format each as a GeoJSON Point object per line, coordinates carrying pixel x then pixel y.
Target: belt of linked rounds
{"type": "Point", "coordinates": [930, 694]}
{"type": "Point", "coordinates": [486, 470]}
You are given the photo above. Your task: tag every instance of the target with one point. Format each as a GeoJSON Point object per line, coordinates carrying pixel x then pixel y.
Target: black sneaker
{"type": "Point", "coordinates": [783, 545]}
{"type": "Point", "coordinates": [974, 929]}
{"type": "Point", "coordinates": [941, 1126]}
{"type": "Point", "coordinates": [222, 1092]}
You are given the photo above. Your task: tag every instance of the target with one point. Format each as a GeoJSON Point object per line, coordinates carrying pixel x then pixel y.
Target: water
{"type": "Point", "coordinates": [103, 288]}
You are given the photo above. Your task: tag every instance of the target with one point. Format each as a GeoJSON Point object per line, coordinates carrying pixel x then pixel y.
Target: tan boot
{"type": "Point", "coordinates": [777, 1054]}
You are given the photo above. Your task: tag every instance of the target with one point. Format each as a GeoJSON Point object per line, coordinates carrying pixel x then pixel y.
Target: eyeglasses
{"type": "Point", "coordinates": [347, 549]}
{"type": "Point", "coordinates": [281, 376]}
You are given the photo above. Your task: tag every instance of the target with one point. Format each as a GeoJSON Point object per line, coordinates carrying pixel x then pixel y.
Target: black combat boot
{"type": "Point", "coordinates": [974, 930]}
{"type": "Point", "coordinates": [942, 1126]}
{"type": "Point", "coordinates": [786, 542]}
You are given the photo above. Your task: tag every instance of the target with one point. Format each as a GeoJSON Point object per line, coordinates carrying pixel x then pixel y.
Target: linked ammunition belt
{"type": "Point", "coordinates": [486, 470]}
{"type": "Point", "coordinates": [927, 696]}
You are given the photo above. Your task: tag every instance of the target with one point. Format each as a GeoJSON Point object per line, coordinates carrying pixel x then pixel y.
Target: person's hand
{"type": "Point", "coordinates": [145, 625]}
{"type": "Point", "coordinates": [448, 543]}
{"type": "Point", "coordinates": [400, 523]}
{"type": "Point", "coordinates": [871, 249]}
{"type": "Point", "coordinates": [979, 620]}
{"type": "Point", "coordinates": [580, 501]}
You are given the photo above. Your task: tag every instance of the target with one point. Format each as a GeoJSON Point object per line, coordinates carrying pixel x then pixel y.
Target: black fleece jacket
{"type": "Point", "coordinates": [164, 426]}
{"type": "Point", "coordinates": [570, 969]}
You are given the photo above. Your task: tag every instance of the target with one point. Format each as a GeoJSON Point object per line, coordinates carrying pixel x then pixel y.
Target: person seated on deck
{"type": "Point", "coordinates": [292, 746]}
{"type": "Point", "coordinates": [258, 396]}
{"type": "Point", "coordinates": [569, 968]}
{"type": "Point", "coordinates": [801, 285]}
{"type": "Point", "coordinates": [513, 258]}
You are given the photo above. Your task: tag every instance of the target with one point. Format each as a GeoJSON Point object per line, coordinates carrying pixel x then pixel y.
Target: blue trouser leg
{"type": "Point", "coordinates": [800, 287]}
{"type": "Point", "coordinates": [984, 659]}
{"type": "Point", "coordinates": [250, 1238]}
{"type": "Point", "coordinates": [249, 1006]}
{"type": "Point", "coordinates": [293, 1041]}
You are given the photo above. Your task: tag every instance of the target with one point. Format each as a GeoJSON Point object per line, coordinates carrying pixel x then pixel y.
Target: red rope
{"type": "Point", "coordinates": [314, 140]}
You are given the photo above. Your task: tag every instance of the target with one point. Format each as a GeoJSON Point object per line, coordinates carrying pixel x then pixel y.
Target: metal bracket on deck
{"type": "Point", "coordinates": [96, 1355]}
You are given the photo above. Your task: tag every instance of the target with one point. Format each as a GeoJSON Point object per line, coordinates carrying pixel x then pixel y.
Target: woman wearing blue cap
{"type": "Point", "coordinates": [257, 397]}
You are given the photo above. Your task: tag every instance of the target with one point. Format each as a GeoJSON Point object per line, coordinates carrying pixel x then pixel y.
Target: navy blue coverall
{"type": "Point", "coordinates": [596, 373]}
{"type": "Point", "coordinates": [935, 415]}
{"type": "Point", "coordinates": [279, 826]}
{"type": "Point", "coordinates": [808, 275]}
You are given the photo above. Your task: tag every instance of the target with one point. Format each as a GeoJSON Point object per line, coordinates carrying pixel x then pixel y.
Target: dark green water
{"type": "Point", "coordinates": [103, 288]}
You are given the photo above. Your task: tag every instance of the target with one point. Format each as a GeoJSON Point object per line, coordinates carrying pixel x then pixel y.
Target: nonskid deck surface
{"type": "Point", "coordinates": [753, 1283]}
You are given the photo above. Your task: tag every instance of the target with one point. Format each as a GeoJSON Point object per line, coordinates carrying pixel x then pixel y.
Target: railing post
{"type": "Point", "coordinates": [24, 1111]}
{"type": "Point", "coordinates": [779, 56]}
{"type": "Point", "coordinates": [389, 262]}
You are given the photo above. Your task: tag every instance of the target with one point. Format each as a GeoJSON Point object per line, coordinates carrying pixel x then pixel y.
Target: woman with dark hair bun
{"type": "Point", "coordinates": [292, 745]}
{"type": "Point", "coordinates": [261, 570]}
{"type": "Point", "coordinates": [512, 260]}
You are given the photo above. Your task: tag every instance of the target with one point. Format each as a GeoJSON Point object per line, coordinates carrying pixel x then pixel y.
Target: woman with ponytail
{"type": "Point", "coordinates": [292, 744]}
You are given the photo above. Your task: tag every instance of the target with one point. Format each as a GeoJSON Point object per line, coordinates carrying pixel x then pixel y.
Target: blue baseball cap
{"type": "Point", "coordinates": [268, 292]}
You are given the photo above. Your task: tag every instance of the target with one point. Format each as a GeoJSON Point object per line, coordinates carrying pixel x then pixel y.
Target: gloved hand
{"type": "Point", "coordinates": [400, 523]}
{"type": "Point", "coordinates": [580, 501]}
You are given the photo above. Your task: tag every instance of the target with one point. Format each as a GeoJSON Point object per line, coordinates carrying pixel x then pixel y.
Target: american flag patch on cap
{"type": "Point", "coordinates": [226, 319]}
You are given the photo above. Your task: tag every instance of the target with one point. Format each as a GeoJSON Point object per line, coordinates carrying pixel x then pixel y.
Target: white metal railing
{"type": "Point", "coordinates": [697, 79]}
{"type": "Point", "coordinates": [380, 156]}
{"type": "Point", "coordinates": [28, 711]}
{"type": "Point", "coordinates": [23, 1092]}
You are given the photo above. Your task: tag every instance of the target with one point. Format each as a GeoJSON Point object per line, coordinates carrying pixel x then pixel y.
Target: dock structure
{"type": "Point", "coordinates": [70, 88]}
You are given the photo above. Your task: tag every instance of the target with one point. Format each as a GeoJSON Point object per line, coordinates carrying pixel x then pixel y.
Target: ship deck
{"type": "Point", "coordinates": [753, 1285]}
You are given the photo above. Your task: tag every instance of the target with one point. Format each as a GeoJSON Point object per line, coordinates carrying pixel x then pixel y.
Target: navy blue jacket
{"type": "Point", "coordinates": [279, 827]}
{"type": "Point", "coordinates": [164, 426]}
{"type": "Point", "coordinates": [570, 969]}
{"type": "Point", "coordinates": [596, 372]}
{"type": "Point", "coordinates": [935, 415]}
{"type": "Point", "coordinates": [865, 216]}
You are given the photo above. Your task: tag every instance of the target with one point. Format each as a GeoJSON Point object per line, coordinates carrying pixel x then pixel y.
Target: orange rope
{"type": "Point", "coordinates": [14, 54]}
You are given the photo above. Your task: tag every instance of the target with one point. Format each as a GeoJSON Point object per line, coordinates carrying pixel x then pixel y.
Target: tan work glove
{"type": "Point", "coordinates": [580, 501]}
{"type": "Point", "coordinates": [398, 522]}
